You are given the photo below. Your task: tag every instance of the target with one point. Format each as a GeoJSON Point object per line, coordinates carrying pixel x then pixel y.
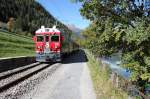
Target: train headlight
{"type": "Point", "coordinates": [37, 51]}
{"type": "Point", "coordinates": [56, 46]}
{"type": "Point", "coordinates": [38, 47]}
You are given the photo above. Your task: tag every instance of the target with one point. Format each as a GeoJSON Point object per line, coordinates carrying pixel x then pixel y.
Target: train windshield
{"type": "Point", "coordinates": [40, 38]}
{"type": "Point", "coordinates": [55, 38]}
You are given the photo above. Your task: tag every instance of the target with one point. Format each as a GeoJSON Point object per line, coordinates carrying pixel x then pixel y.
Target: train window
{"type": "Point", "coordinates": [47, 38]}
{"type": "Point", "coordinates": [40, 38]}
{"type": "Point", "coordinates": [55, 38]}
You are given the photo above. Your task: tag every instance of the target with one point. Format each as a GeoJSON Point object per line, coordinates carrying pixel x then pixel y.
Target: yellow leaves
{"type": "Point", "coordinates": [145, 76]}
{"type": "Point", "coordinates": [131, 64]}
{"type": "Point", "coordinates": [10, 24]}
{"type": "Point", "coordinates": [117, 36]}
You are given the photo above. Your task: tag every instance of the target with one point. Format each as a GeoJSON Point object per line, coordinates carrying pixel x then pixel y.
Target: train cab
{"type": "Point", "coordinates": [48, 43]}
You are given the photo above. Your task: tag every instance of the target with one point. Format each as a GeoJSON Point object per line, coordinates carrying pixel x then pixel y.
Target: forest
{"type": "Point", "coordinates": [26, 16]}
{"type": "Point", "coordinates": [120, 26]}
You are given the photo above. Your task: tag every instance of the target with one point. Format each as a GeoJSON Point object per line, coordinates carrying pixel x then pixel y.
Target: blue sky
{"type": "Point", "coordinates": [66, 12]}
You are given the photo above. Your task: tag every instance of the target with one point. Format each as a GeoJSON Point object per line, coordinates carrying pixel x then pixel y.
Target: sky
{"type": "Point", "coordinates": [66, 12]}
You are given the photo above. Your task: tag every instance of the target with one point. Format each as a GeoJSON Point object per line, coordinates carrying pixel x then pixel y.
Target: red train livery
{"type": "Point", "coordinates": [51, 44]}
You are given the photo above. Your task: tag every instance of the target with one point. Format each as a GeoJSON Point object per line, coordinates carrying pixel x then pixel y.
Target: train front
{"type": "Point", "coordinates": [48, 44]}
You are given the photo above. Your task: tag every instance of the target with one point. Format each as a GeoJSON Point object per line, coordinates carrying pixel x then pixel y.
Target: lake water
{"type": "Point", "coordinates": [114, 62]}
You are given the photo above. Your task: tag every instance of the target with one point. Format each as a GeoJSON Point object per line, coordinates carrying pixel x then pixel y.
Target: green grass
{"type": "Point", "coordinates": [102, 84]}
{"type": "Point", "coordinates": [12, 44]}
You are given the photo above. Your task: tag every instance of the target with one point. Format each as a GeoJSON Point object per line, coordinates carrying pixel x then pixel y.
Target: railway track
{"type": "Point", "coordinates": [13, 77]}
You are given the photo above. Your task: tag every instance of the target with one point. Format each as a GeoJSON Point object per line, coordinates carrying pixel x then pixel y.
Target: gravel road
{"type": "Point", "coordinates": [70, 81]}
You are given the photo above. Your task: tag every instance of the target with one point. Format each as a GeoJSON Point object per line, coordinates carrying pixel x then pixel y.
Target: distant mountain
{"type": "Point", "coordinates": [74, 29]}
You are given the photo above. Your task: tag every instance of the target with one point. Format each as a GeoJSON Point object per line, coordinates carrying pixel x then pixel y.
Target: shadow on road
{"type": "Point", "coordinates": [75, 57]}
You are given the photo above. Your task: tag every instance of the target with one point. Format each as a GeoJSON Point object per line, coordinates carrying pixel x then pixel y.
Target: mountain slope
{"type": "Point", "coordinates": [26, 15]}
{"type": "Point", "coordinates": [75, 29]}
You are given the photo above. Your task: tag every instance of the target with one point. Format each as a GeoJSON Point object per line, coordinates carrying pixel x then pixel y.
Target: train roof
{"type": "Point", "coordinates": [43, 30]}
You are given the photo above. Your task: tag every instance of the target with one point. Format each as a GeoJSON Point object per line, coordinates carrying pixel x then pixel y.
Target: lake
{"type": "Point", "coordinates": [114, 62]}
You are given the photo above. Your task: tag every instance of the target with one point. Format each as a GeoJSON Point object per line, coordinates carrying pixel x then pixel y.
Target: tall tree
{"type": "Point", "coordinates": [120, 25]}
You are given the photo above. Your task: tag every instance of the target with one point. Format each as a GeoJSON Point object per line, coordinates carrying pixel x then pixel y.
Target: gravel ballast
{"type": "Point", "coordinates": [68, 80]}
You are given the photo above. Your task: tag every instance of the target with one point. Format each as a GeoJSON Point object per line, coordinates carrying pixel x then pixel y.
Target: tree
{"type": "Point", "coordinates": [120, 25]}
{"type": "Point", "coordinates": [18, 25]}
{"type": "Point", "coordinates": [10, 24]}
{"type": "Point", "coordinates": [29, 15]}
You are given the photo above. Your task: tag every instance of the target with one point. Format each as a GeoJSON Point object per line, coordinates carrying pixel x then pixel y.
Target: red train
{"type": "Point", "coordinates": [51, 44]}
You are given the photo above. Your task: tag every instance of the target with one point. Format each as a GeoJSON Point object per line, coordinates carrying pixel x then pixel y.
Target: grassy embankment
{"type": "Point", "coordinates": [12, 45]}
{"type": "Point", "coordinates": [102, 84]}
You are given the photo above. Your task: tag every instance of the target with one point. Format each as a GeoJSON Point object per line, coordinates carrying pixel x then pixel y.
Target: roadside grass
{"type": "Point", "coordinates": [12, 45]}
{"type": "Point", "coordinates": [102, 84]}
